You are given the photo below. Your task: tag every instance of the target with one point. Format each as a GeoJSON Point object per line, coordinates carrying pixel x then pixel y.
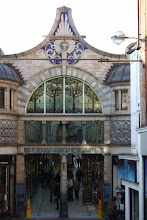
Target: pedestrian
{"type": "Point", "coordinates": [79, 174]}
{"type": "Point", "coordinates": [76, 186]}
{"type": "Point", "coordinates": [52, 187]}
{"type": "Point", "coordinates": [70, 189]}
{"type": "Point", "coordinates": [70, 174]}
{"type": "Point", "coordinates": [57, 194]}
{"type": "Point", "coordinates": [79, 160]}
{"type": "Point", "coordinates": [49, 177]}
{"type": "Point", "coordinates": [112, 209]}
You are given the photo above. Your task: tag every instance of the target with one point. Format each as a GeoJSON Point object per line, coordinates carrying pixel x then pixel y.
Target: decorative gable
{"type": "Point", "coordinates": [64, 28]}
{"type": "Point", "coordinates": [65, 38]}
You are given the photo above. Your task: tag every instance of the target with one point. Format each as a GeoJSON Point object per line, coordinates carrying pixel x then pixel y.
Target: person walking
{"type": "Point", "coordinates": [79, 174]}
{"type": "Point", "coordinates": [52, 187]}
{"type": "Point", "coordinates": [57, 194]}
{"type": "Point", "coordinates": [76, 187]}
{"type": "Point", "coordinates": [79, 160]}
{"type": "Point", "coordinates": [112, 209]}
{"type": "Point", "coordinates": [70, 189]}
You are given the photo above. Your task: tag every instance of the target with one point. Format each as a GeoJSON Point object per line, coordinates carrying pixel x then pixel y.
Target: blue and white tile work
{"type": "Point", "coordinates": [53, 49]}
{"type": "Point", "coordinates": [8, 131]}
{"type": "Point", "coordinates": [120, 132]}
{"type": "Point", "coordinates": [64, 27]}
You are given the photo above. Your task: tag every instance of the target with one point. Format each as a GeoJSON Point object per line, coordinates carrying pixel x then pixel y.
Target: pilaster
{"type": "Point", "coordinates": [20, 185]}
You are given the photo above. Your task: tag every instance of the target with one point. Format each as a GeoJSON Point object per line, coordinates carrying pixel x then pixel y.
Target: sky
{"type": "Point", "coordinates": [23, 23]}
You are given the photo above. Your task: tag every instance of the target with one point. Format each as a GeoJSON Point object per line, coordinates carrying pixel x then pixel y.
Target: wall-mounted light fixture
{"type": "Point", "coordinates": [119, 37]}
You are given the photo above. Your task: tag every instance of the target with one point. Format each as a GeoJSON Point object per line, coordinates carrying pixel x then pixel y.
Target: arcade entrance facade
{"type": "Point", "coordinates": [95, 184]}
{"type": "Point", "coordinates": [42, 170]}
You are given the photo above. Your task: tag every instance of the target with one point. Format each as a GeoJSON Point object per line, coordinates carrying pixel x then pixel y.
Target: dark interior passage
{"type": "Point", "coordinates": [43, 184]}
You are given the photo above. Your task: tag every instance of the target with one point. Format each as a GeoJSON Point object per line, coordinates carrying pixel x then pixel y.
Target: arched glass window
{"type": "Point", "coordinates": [65, 95]}
{"type": "Point", "coordinates": [54, 96]}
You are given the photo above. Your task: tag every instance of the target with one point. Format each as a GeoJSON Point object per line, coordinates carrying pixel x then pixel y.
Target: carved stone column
{"type": "Point", "coordinates": [63, 188]}
{"type": "Point", "coordinates": [44, 132]}
{"type": "Point", "coordinates": [119, 92]}
{"type": "Point", "coordinates": [84, 132]}
{"type": "Point", "coordinates": [12, 100]}
{"type": "Point", "coordinates": [63, 132]}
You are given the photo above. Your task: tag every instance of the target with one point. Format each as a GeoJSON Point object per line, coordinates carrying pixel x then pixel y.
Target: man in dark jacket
{"type": "Point", "coordinates": [79, 174]}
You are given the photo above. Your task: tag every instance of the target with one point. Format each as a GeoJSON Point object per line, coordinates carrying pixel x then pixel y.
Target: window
{"type": "Point", "coordinates": [36, 102]}
{"type": "Point", "coordinates": [1, 98]}
{"type": "Point", "coordinates": [116, 100]}
{"type": "Point", "coordinates": [124, 100]}
{"type": "Point", "coordinates": [121, 100]}
{"type": "Point", "coordinates": [74, 132]}
{"type": "Point", "coordinates": [64, 95]}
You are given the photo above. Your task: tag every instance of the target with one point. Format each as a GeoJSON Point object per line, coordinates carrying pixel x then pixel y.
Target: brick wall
{"type": "Point", "coordinates": [143, 67]}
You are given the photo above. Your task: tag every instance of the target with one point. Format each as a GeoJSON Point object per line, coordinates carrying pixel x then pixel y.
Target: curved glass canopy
{"type": "Point", "coordinates": [64, 95]}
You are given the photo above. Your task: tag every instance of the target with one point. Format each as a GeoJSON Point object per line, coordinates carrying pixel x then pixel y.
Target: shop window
{"type": "Point", "coordinates": [1, 98]}
{"type": "Point", "coordinates": [124, 100]}
{"type": "Point", "coordinates": [116, 100]}
{"type": "Point", "coordinates": [65, 95]}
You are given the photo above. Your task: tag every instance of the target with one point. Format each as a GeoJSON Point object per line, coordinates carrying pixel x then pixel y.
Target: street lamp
{"type": "Point", "coordinates": [119, 37]}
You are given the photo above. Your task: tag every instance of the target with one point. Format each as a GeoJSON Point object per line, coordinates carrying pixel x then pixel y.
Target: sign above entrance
{"type": "Point", "coordinates": [59, 150]}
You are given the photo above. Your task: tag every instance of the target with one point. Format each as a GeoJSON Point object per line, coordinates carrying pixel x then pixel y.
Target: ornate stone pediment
{"type": "Point", "coordinates": [64, 38]}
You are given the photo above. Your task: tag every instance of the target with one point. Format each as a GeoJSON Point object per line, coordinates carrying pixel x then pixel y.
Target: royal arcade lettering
{"type": "Point", "coordinates": [68, 150]}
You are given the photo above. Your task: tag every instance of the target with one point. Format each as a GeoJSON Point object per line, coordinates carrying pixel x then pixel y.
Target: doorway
{"type": "Point", "coordinates": [43, 169]}
{"type": "Point", "coordinates": [134, 199]}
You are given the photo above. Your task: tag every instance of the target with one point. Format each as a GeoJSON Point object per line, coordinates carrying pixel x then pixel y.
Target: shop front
{"type": "Point", "coordinates": [7, 185]}
{"type": "Point", "coordinates": [128, 193]}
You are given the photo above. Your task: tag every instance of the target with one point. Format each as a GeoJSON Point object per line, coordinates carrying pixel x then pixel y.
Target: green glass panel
{"type": "Point", "coordinates": [95, 132]}
{"type": "Point", "coordinates": [36, 102]}
{"type": "Point", "coordinates": [73, 95]}
{"type": "Point", "coordinates": [73, 131]}
{"type": "Point", "coordinates": [91, 101]}
{"type": "Point", "coordinates": [54, 96]}
{"type": "Point", "coordinates": [53, 131]}
{"type": "Point", "coordinates": [33, 131]}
